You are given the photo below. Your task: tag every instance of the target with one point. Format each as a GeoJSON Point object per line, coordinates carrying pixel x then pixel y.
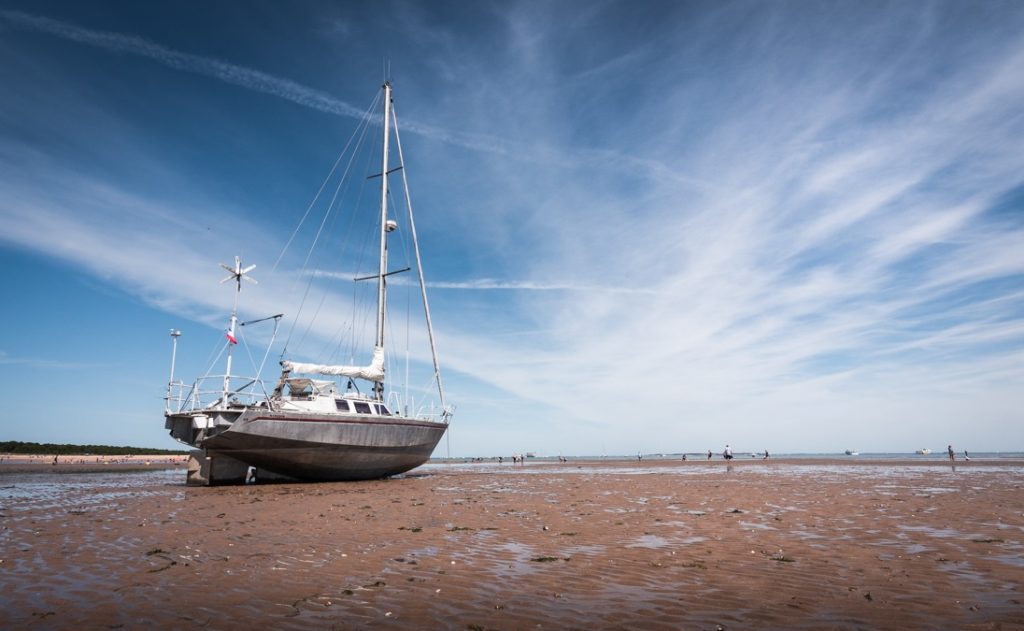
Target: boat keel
{"type": "Point", "coordinates": [205, 469]}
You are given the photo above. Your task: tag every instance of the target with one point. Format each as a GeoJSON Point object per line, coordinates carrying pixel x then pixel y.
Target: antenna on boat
{"type": "Point", "coordinates": [175, 334]}
{"type": "Point", "coordinates": [277, 323]}
{"type": "Point", "coordinates": [237, 273]}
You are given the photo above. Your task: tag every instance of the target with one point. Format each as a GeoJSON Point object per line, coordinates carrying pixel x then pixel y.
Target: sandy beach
{"type": "Point", "coordinates": [584, 545]}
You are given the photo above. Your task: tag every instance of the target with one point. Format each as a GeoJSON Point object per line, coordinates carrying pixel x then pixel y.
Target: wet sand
{"type": "Point", "coordinates": [655, 545]}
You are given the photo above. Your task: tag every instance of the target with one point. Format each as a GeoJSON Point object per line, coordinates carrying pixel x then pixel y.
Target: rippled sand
{"type": "Point", "coordinates": [586, 545]}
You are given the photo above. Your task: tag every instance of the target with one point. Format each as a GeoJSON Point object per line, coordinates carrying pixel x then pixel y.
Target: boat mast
{"type": "Point", "coordinates": [378, 386]}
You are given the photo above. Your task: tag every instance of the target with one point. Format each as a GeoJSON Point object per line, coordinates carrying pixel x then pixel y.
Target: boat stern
{"type": "Point", "coordinates": [193, 428]}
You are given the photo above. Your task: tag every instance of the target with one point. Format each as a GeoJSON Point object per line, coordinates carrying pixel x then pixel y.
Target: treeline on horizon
{"type": "Point", "coordinates": [47, 449]}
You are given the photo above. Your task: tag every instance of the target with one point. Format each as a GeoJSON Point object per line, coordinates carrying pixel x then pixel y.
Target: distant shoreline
{"type": "Point", "coordinates": [24, 463]}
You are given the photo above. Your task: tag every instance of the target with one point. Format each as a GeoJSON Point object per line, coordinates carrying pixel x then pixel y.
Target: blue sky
{"type": "Point", "coordinates": [654, 226]}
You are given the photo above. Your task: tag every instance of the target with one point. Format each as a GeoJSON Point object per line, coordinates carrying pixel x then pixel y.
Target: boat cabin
{"type": "Point", "coordinates": [321, 396]}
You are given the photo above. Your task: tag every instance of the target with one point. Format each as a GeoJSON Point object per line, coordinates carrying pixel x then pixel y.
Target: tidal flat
{"type": "Point", "coordinates": [810, 544]}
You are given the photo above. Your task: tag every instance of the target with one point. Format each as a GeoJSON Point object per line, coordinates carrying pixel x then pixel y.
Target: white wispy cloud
{"type": "Point", "coordinates": [818, 250]}
{"type": "Point", "coordinates": [154, 249]}
{"type": "Point", "coordinates": [491, 284]}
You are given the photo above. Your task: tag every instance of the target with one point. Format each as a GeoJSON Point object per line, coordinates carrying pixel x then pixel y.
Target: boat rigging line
{"type": "Point", "coordinates": [358, 137]}
{"type": "Point", "coordinates": [445, 413]}
{"type": "Point", "coordinates": [367, 116]}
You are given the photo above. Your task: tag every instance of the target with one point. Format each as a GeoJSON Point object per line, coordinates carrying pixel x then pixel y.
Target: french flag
{"type": "Point", "coordinates": [231, 337]}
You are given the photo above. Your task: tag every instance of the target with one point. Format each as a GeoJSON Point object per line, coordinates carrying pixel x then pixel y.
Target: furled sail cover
{"type": "Point", "coordinates": [373, 372]}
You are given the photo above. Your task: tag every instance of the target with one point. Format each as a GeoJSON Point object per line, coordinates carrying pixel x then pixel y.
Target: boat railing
{"type": "Point", "coordinates": [208, 392]}
{"type": "Point", "coordinates": [406, 406]}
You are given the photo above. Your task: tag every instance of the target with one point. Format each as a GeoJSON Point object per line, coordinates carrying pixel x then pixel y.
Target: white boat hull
{"type": "Point", "coordinates": [316, 447]}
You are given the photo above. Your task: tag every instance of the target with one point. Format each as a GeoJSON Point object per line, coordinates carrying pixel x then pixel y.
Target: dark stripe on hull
{"type": "Point", "coordinates": [324, 447]}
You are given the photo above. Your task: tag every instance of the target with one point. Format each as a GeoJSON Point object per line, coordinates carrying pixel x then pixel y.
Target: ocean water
{"type": "Point", "coordinates": [85, 491]}
{"type": "Point", "coordinates": [92, 491]}
{"type": "Point", "coordinates": [936, 456]}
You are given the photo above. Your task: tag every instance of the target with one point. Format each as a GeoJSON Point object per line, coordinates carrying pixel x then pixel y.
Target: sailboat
{"type": "Point", "coordinates": [307, 427]}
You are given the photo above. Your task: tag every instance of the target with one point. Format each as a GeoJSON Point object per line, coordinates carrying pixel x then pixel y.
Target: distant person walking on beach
{"type": "Point", "coordinates": [765, 454]}
{"type": "Point", "coordinates": [727, 454]}
{"type": "Point", "coordinates": [709, 454]}
{"type": "Point", "coordinates": [966, 457]}
{"type": "Point", "coordinates": [952, 456]}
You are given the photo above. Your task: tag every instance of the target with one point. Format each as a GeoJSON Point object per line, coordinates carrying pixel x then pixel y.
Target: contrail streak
{"type": "Point", "coordinates": [241, 76]}
{"type": "Point", "coordinates": [229, 73]}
